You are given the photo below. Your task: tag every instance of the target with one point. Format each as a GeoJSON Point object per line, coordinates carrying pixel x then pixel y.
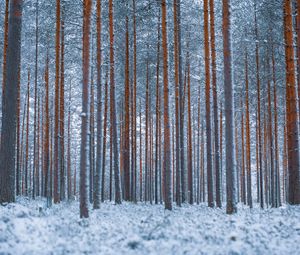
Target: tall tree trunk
{"type": "Point", "coordinates": [141, 156]}
{"type": "Point", "coordinates": [37, 169]}
{"type": "Point", "coordinates": [126, 152]}
{"type": "Point", "coordinates": [243, 177]}
{"type": "Point", "coordinates": [257, 157]}
{"type": "Point", "coordinates": [291, 110]}
{"type": "Point", "coordinates": [181, 103]}
{"type": "Point", "coordinates": [87, 5]}
{"type": "Point", "coordinates": [271, 149]}
{"type": "Point", "coordinates": [248, 137]}
{"type": "Point", "coordinates": [112, 105]}
{"type": "Point", "coordinates": [198, 147]}
{"type": "Point", "coordinates": [298, 53]}
{"type": "Point", "coordinates": [215, 104]}
{"type": "Point", "coordinates": [27, 137]}
{"type": "Point", "coordinates": [56, 110]}
{"type": "Point", "coordinates": [157, 159]}
{"type": "Point", "coordinates": [260, 170]}
{"type": "Point", "coordinates": [104, 139]}
{"type": "Point", "coordinates": [19, 155]}
{"type": "Point", "coordinates": [210, 192]}
{"type": "Point", "coordinates": [69, 160]}
{"type": "Point", "coordinates": [9, 111]}
{"type": "Point", "coordinates": [35, 160]}
{"type": "Point", "coordinates": [177, 106]}
{"type": "Point", "coordinates": [228, 87]}
{"type": "Point", "coordinates": [134, 115]}
{"type": "Point", "coordinates": [46, 159]}
{"type": "Point", "coordinates": [167, 147]}
{"type": "Point", "coordinates": [99, 110]}
{"type": "Point", "coordinates": [5, 45]}
{"type": "Point", "coordinates": [190, 140]}
{"type": "Point", "coordinates": [92, 136]}
{"type": "Point", "coordinates": [147, 131]}
{"type": "Point", "coordinates": [62, 109]}
{"type": "Point", "coordinates": [277, 173]}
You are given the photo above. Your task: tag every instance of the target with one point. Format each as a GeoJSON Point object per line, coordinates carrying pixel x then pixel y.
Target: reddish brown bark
{"type": "Point", "coordinates": [291, 110]}
{"type": "Point", "coordinates": [207, 106]}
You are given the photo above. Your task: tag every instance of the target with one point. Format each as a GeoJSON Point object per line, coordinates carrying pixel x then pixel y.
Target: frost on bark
{"type": "Point", "coordinates": [207, 104]}
{"type": "Point", "coordinates": [113, 119]}
{"type": "Point", "coordinates": [167, 147]}
{"type": "Point", "coordinates": [228, 89]}
{"type": "Point", "coordinates": [99, 109]}
{"type": "Point", "coordinates": [85, 103]}
{"type": "Point", "coordinates": [9, 111]}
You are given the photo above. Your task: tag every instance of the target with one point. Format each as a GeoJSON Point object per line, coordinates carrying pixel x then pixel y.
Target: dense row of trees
{"type": "Point", "coordinates": [174, 108]}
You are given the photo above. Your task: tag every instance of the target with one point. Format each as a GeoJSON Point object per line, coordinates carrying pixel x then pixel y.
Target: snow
{"type": "Point", "coordinates": [28, 227]}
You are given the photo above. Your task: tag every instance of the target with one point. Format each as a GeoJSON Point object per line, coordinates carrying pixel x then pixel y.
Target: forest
{"type": "Point", "coordinates": [149, 126]}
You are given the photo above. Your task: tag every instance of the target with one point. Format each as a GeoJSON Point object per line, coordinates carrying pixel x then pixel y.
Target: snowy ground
{"type": "Point", "coordinates": [27, 227]}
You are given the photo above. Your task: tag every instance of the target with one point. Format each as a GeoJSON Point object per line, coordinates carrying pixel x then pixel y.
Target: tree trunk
{"type": "Point", "coordinates": [134, 115]}
{"type": "Point", "coordinates": [177, 106]}
{"type": "Point", "coordinates": [97, 173]}
{"type": "Point", "coordinates": [228, 89]}
{"type": "Point", "coordinates": [62, 110]}
{"type": "Point", "coordinates": [87, 5]}
{"type": "Point", "coordinates": [248, 137]}
{"type": "Point", "coordinates": [56, 110]}
{"type": "Point", "coordinates": [126, 152]}
{"type": "Point", "coordinates": [277, 173]}
{"type": "Point", "coordinates": [190, 139]}
{"type": "Point", "coordinates": [46, 159]}
{"type": "Point", "coordinates": [112, 106]}
{"type": "Point", "coordinates": [9, 111]}
{"type": "Point", "coordinates": [260, 170]}
{"type": "Point", "coordinates": [5, 45]}
{"type": "Point", "coordinates": [92, 137]}
{"type": "Point", "coordinates": [104, 139]}
{"type": "Point", "coordinates": [157, 159]}
{"type": "Point", "coordinates": [27, 138]}
{"type": "Point", "coordinates": [215, 104]}
{"type": "Point", "coordinates": [19, 155]}
{"type": "Point", "coordinates": [210, 192]}
{"type": "Point", "coordinates": [69, 160]}
{"type": "Point", "coordinates": [291, 110]}
{"type": "Point", "coordinates": [167, 147]}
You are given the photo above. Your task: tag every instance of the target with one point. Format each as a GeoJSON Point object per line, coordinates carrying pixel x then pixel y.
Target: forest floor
{"type": "Point", "coordinates": [28, 227]}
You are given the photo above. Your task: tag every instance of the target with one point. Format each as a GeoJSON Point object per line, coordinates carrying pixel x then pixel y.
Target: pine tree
{"type": "Point", "coordinates": [87, 5]}
{"type": "Point", "coordinates": [99, 109]}
{"type": "Point", "coordinates": [291, 110]}
{"type": "Point", "coordinates": [9, 111]}
{"type": "Point", "coordinates": [215, 104]}
{"type": "Point", "coordinates": [167, 147]}
{"type": "Point", "coordinates": [228, 89]}
{"type": "Point", "coordinates": [207, 103]}
{"type": "Point", "coordinates": [113, 119]}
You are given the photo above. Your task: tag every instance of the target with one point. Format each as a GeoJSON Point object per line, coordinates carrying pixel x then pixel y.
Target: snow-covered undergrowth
{"type": "Point", "coordinates": [28, 227]}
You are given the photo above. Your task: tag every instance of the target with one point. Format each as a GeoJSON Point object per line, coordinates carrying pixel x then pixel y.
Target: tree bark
{"type": "Point", "coordinates": [9, 111]}
{"type": "Point", "coordinates": [228, 87]}
{"type": "Point", "coordinates": [56, 110]}
{"type": "Point", "coordinates": [112, 105]}
{"type": "Point", "coordinates": [210, 192]}
{"type": "Point", "coordinates": [215, 104]}
{"type": "Point", "coordinates": [291, 110]}
{"type": "Point", "coordinates": [87, 5]}
{"type": "Point", "coordinates": [167, 147]}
